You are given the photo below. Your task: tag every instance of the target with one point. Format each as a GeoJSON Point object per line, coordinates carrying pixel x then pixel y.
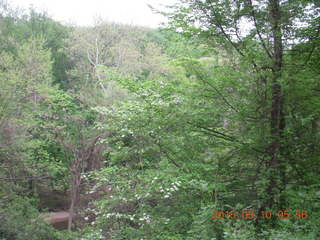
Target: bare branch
{"type": "Point", "coordinates": [90, 60]}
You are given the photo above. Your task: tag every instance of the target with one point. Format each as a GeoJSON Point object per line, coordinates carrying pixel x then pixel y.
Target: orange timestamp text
{"type": "Point", "coordinates": [251, 215]}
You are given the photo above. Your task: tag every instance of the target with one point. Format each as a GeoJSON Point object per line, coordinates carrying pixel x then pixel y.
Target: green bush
{"type": "Point", "coordinates": [19, 220]}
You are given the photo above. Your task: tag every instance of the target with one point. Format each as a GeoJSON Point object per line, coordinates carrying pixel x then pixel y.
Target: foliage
{"type": "Point", "coordinates": [18, 27]}
{"type": "Point", "coordinates": [19, 220]}
{"type": "Point", "coordinates": [153, 130]}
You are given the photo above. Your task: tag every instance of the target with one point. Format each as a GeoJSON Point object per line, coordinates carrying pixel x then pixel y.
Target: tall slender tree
{"type": "Point", "coordinates": [262, 33]}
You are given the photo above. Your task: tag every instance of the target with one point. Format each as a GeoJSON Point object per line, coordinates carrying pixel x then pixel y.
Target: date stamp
{"type": "Point", "coordinates": [252, 215]}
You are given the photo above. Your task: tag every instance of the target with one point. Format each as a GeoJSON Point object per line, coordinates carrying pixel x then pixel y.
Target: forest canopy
{"type": "Point", "coordinates": [207, 128]}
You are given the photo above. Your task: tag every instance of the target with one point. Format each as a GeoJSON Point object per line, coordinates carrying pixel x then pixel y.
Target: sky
{"type": "Point", "coordinates": [83, 12]}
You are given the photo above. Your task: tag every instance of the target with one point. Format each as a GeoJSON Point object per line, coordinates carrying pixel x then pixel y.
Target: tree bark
{"type": "Point", "coordinates": [277, 118]}
{"type": "Point", "coordinates": [75, 188]}
{"type": "Point", "coordinates": [83, 155]}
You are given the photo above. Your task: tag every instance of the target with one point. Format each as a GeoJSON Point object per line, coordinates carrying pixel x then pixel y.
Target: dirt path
{"type": "Point", "coordinates": [58, 220]}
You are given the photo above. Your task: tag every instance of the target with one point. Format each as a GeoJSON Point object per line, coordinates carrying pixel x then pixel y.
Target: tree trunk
{"type": "Point", "coordinates": [277, 120]}
{"type": "Point", "coordinates": [75, 188]}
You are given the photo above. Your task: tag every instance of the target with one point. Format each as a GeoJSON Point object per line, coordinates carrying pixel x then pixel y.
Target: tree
{"type": "Point", "coordinates": [69, 124]}
{"type": "Point", "coordinates": [18, 26]}
{"type": "Point", "coordinates": [262, 35]}
{"type": "Point", "coordinates": [23, 79]}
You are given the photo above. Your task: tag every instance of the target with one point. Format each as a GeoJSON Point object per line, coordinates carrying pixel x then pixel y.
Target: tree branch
{"type": "Point", "coordinates": [257, 29]}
